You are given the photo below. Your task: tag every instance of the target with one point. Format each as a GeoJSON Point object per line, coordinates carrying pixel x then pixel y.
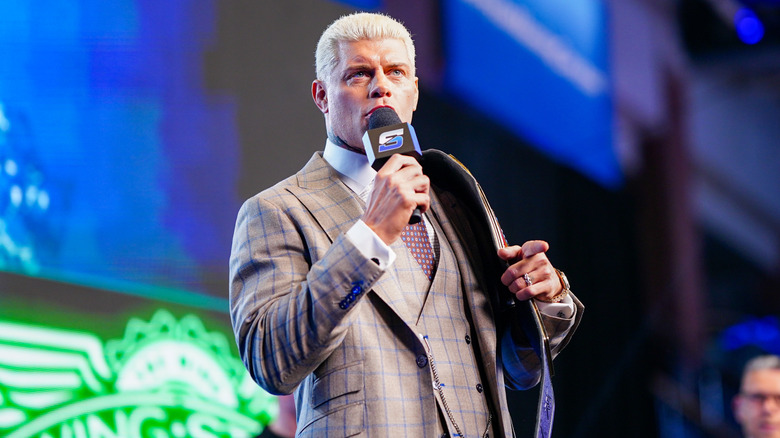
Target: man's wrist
{"type": "Point", "coordinates": [370, 244]}
{"type": "Point", "coordinates": [560, 296]}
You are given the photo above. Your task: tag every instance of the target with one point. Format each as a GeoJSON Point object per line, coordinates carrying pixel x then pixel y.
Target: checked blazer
{"type": "Point", "coordinates": [312, 315]}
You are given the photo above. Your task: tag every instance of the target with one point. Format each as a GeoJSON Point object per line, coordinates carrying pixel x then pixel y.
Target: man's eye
{"type": "Point", "coordinates": [358, 74]}
{"type": "Point", "coordinates": [397, 72]}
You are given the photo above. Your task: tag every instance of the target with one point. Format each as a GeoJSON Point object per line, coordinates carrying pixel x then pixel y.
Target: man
{"type": "Point", "coordinates": [757, 406]}
{"type": "Point", "coordinates": [327, 300]}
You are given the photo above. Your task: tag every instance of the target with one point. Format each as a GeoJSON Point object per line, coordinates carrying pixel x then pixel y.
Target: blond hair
{"type": "Point", "coordinates": [356, 27]}
{"type": "Point", "coordinates": [765, 362]}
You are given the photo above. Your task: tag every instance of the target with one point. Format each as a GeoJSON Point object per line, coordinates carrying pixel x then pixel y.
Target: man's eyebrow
{"type": "Point", "coordinates": [357, 66]}
{"type": "Point", "coordinates": [399, 65]}
{"type": "Point", "coordinates": [360, 64]}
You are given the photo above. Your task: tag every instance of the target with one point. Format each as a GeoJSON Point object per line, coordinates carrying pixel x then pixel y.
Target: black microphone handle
{"type": "Point", "coordinates": [416, 216]}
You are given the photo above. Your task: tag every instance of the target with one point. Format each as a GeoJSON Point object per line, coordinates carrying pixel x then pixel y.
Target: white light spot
{"type": "Point", "coordinates": [11, 167]}
{"type": "Point", "coordinates": [5, 125]}
{"type": "Point", "coordinates": [31, 195]}
{"type": "Point", "coordinates": [16, 195]}
{"type": "Point", "coordinates": [43, 200]}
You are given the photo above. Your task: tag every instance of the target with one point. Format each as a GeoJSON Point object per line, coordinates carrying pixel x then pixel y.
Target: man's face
{"type": "Point", "coordinates": [370, 74]}
{"type": "Point", "coordinates": [757, 407]}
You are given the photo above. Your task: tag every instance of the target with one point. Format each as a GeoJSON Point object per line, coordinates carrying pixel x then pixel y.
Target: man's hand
{"type": "Point", "coordinates": [530, 259]}
{"type": "Point", "coordinates": [400, 187]}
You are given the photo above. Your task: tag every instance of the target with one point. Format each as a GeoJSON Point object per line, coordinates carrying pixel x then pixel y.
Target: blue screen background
{"type": "Point", "coordinates": [118, 166]}
{"type": "Point", "coordinates": [504, 67]}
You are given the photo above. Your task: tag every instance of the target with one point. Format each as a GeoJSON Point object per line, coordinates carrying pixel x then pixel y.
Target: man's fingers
{"type": "Point", "coordinates": [399, 161]}
{"type": "Point", "coordinates": [533, 247]}
{"type": "Point", "coordinates": [529, 249]}
{"type": "Point", "coordinates": [510, 253]}
{"type": "Point", "coordinates": [399, 187]}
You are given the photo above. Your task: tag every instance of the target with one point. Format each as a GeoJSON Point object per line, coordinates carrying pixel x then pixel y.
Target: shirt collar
{"type": "Point", "coordinates": [351, 165]}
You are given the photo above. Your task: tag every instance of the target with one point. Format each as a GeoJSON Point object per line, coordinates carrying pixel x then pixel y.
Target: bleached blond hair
{"type": "Point", "coordinates": [355, 27]}
{"type": "Point", "coordinates": [765, 362]}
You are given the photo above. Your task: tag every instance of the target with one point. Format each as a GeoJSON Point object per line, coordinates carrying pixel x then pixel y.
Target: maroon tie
{"type": "Point", "coordinates": [416, 239]}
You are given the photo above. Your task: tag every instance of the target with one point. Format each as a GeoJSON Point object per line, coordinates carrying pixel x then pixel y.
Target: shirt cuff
{"type": "Point", "coordinates": [563, 309]}
{"type": "Point", "coordinates": [370, 245]}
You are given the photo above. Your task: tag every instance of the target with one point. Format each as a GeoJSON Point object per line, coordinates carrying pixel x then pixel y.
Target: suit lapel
{"type": "Point", "coordinates": [336, 208]}
{"type": "Point", "coordinates": [453, 220]}
{"type": "Point", "coordinates": [332, 205]}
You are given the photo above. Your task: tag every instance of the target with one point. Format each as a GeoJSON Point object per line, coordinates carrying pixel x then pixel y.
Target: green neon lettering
{"type": "Point", "coordinates": [141, 416]}
{"type": "Point", "coordinates": [166, 378]}
{"type": "Point", "coordinates": [79, 431]}
{"type": "Point", "coordinates": [99, 429]}
{"type": "Point", "coordinates": [203, 426]}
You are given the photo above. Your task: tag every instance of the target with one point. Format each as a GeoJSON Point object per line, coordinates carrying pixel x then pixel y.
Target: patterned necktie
{"type": "Point", "coordinates": [416, 239]}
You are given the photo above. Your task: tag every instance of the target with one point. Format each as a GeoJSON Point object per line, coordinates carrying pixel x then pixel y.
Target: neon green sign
{"type": "Point", "coordinates": [165, 378]}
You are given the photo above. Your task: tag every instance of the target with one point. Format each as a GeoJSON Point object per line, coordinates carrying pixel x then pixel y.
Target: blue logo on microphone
{"type": "Point", "coordinates": [391, 140]}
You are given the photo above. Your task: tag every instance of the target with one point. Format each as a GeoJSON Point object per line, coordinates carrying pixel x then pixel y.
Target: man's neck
{"type": "Point", "coordinates": [336, 140]}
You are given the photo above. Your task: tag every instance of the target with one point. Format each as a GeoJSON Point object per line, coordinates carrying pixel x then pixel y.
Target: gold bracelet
{"type": "Point", "coordinates": [556, 299]}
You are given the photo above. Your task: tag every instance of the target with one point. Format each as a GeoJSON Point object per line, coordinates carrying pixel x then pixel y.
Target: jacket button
{"type": "Point", "coordinates": [479, 388]}
{"type": "Point", "coordinates": [422, 360]}
{"type": "Point", "coordinates": [468, 339]}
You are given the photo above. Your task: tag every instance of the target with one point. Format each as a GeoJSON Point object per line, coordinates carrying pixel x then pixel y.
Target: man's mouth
{"type": "Point", "coordinates": [377, 107]}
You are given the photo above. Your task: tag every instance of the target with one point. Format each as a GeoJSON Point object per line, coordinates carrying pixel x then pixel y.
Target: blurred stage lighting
{"type": "Point", "coordinates": [749, 28]}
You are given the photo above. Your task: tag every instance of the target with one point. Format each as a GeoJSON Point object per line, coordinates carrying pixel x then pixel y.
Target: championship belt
{"type": "Point", "coordinates": [449, 175]}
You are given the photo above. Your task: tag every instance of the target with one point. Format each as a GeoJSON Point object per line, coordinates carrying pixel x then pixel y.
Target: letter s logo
{"type": "Point", "coordinates": [391, 140]}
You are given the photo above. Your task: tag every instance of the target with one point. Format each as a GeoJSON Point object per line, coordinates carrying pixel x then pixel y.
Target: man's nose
{"type": "Point", "coordinates": [380, 86]}
{"type": "Point", "coordinates": [772, 402]}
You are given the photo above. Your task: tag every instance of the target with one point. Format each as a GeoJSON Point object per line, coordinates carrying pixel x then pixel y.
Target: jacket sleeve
{"type": "Point", "coordinates": [292, 291]}
{"type": "Point", "coordinates": [522, 368]}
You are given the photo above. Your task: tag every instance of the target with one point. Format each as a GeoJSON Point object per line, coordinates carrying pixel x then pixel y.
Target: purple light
{"type": "Point", "coordinates": [749, 28]}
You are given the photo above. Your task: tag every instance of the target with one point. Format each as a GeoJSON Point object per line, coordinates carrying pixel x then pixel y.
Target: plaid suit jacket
{"type": "Point", "coordinates": [310, 316]}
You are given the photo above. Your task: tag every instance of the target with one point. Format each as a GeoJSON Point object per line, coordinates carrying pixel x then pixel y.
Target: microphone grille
{"type": "Point", "coordinates": [382, 117]}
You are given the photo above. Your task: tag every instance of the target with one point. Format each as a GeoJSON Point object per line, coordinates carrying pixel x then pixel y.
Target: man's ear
{"type": "Point", "coordinates": [416, 93]}
{"type": "Point", "coordinates": [736, 408]}
{"type": "Point", "coordinates": [319, 95]}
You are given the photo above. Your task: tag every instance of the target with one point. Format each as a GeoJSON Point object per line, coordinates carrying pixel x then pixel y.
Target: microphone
{"type": "Point", "coordinates": [386, 136]}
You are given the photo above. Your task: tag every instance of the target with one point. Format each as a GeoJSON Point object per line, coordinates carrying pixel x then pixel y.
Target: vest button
{"type": "Point", "coordinates": [479, 388]}
{"type": "Point", "coordinates": [468, 339]}
{"type": "Point", "coordinates": [422, 361]}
